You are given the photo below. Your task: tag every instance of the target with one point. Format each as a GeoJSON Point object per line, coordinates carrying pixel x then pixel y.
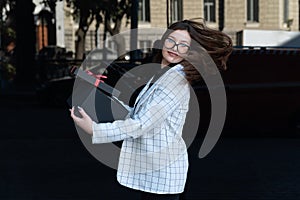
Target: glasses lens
{"type": "Point", "coordinates": [169, 43]}
{"type": "Point", "coordinates": [182, 48]}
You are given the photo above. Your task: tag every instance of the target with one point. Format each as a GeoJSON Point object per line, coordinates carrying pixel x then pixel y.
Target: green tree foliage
{"type": "Point", "coordinates": [8, 39]}
{"type": "Point", "coordinates": [7, 22]}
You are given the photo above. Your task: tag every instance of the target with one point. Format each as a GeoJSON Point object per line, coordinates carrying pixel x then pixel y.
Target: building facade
{"type": "Point", "coordinates": [230, 16]}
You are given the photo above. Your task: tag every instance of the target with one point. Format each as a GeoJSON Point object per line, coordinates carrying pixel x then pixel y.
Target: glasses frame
{"type": "Point", "coordinates": [176, 44]}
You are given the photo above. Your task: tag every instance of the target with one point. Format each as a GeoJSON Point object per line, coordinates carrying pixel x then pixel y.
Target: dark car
{"type": "Point", "coordinates": [263, 92]}
{"type": "Point", "coordinates": [262, 88]}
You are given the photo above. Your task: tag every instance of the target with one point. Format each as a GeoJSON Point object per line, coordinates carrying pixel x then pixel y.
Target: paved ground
{"type": "Point", "coordinates": [41, 157]}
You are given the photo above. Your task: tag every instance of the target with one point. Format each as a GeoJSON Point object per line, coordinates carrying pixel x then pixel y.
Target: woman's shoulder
{"type": "Point", "coordinates": [174, 77]}
{"type": "Point", "coordinates": [179, 68]}
{"type": "Point", "coordinates": [176, 72]}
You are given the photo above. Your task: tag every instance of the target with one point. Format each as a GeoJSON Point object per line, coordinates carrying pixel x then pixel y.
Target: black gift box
{"type": "Point", "coordinates": [98, 99]}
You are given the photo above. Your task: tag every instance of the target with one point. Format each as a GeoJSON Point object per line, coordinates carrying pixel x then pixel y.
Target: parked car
{"type": "Point", "coordinates": [263, 92]}
{"type": "Point", "coordinates": [262, 87]}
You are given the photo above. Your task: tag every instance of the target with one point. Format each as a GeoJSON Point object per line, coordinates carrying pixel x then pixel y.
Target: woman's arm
{"type": "Point", "coordinates": [163, 102]}
{"type": "Point", "coordinates": [149, 116]}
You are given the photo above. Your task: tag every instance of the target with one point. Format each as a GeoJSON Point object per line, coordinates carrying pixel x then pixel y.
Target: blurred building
{"type": "Point", "coordinates": [234, 17]}
{"type": "Point", "coordinates": [231, 16]}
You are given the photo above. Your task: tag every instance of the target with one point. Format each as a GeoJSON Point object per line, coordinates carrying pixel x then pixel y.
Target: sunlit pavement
{"type": "Point", "coordinates": [41, 157]}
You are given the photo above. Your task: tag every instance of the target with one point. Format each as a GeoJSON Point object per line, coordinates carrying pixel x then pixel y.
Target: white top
{"type": "Point", "coordinates": [153, 156]}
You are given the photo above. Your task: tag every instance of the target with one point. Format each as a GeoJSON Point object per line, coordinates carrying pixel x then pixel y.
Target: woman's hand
{"type": "Point", "coordinates": [84, 122]}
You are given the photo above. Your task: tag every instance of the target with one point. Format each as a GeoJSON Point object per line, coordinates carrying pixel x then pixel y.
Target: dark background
{"type": "Point", "coordinates": [257, 156]}
{"type": "Point", "coordinates": [42, 157]}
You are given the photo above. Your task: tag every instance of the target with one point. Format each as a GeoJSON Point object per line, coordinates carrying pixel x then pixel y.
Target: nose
{"type": "Point", "coordinates": [175, 48]}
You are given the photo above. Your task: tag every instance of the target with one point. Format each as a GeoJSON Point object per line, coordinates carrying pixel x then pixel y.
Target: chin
{"type": "Point", "coordinates": [174, 61]}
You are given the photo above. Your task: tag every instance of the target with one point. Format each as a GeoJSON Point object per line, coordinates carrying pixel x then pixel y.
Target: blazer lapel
{"type": "Point", "coordinates": [146, 92]}
{"type": "Point", "coordinates": [142, 92]}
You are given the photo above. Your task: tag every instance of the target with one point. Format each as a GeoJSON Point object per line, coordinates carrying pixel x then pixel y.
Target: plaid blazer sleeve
{"type": "Point", "coordinates": [155, 106]}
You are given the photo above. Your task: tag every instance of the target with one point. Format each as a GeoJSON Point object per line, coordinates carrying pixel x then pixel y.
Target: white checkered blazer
{"type": "Point", "coordinates": [153, 156]}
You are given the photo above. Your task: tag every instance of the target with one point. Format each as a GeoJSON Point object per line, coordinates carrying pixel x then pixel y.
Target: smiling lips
{"type": "Point", "coordinates": [172, 54]}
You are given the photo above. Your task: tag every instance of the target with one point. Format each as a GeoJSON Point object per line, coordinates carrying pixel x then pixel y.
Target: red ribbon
{"type": "Point", "coordinates": [97, 76]}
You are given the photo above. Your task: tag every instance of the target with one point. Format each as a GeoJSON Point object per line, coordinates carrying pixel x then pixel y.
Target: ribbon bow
{"type": "Point", "coordinates": [98, 77]}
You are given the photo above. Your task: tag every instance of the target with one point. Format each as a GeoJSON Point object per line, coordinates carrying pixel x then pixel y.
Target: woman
{"type": "Point", "coordinates": [153, 156]}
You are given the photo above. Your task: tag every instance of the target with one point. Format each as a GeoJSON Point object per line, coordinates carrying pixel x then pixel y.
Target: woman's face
{"type": "Point", "coordinates": [175, 46]}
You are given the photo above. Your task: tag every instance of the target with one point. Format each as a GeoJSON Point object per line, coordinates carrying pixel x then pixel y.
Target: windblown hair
{"type": "Point", "coordinates": [216, 43]}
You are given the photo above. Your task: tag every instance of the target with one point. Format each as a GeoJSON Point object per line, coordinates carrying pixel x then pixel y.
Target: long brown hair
{"type": "Point", "coordinates": [216, 43]}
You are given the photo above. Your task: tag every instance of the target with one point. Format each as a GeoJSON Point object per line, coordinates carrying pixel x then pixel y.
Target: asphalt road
{"type": "Point", "coordinates": [42, 157]}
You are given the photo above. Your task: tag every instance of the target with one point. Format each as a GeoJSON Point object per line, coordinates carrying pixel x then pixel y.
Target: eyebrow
{"type": "Point", "coordinates": [180, 40]}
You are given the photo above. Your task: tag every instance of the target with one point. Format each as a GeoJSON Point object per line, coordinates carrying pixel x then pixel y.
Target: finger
{"type": "Point", "coordinates": [82, 112]}
{"type": "Point", "coordinates": [72, 111]}
{"type": "Point", "coordinates": [75, 118]}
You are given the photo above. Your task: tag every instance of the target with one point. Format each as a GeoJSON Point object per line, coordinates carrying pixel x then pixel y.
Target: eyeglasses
{"type": "Point", "coordinates": [181, 48]}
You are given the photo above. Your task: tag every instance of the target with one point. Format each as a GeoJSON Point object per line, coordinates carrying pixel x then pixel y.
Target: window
{"type": "Point", "coordinates": [252, 10]}
{"type": "Point", "coordinates": [144, 11]}
{"type": "Point", "coordinates": [112, 45]}
{"type": "Point", "coordinates": [210, 10]}
{"type": "Point", "coordinates": [285, 11]}
{"type": "Point", "coordinates": [176, 10]}
{"type": "Point", "coordinates": [145, 45]}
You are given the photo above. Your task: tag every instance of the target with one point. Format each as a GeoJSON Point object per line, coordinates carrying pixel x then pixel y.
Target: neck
{"type": "Point", "coordinates": [164, 63]}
